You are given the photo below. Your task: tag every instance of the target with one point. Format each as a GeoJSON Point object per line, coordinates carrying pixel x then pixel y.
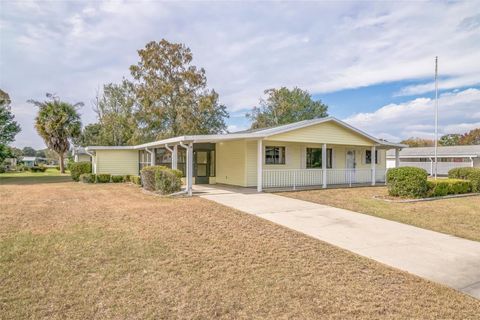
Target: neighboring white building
{"type": "Point", "coordinates": [79, 154]}
{"type": "Point", "coordinates": [448, 158]}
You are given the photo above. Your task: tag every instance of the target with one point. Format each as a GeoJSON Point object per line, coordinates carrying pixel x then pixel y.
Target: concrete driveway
{"type": "Point", "coordinates": [438, 257]}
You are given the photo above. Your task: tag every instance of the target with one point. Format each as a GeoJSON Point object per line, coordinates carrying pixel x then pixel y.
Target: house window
{"type": "Point", "coordinates": [314, 158]}
{"type": "Point", "coordinates": [274, 155]}
{"type": "Point", "coordinates": [368, 156]}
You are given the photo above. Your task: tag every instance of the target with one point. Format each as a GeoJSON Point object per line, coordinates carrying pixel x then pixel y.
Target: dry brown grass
{"type": "Point", "coordinates": [70, 250]}
{"type": "Point", "coordinates": [459, 216]}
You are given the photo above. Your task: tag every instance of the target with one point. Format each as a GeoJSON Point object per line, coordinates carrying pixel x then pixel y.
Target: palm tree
{"type": "Point", "coordinates": [57, 122]}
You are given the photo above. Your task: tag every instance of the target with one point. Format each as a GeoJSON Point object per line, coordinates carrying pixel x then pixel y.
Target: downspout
{"type": "Point", "coordinates": [94, 160]}
{"type": "Point", "coordinates": [471, 162]}
{"type": "Point", "coordinates": [152, 156]}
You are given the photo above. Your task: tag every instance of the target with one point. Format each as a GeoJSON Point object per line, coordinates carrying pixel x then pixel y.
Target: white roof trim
{"type": "Point", "coordinates": [260, 134]}
{"type": "Point", "coordinates": [458, 155]}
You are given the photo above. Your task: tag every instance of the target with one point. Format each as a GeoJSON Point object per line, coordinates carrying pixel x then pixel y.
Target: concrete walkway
{"type": "Point", "coordinates": [445, 259]}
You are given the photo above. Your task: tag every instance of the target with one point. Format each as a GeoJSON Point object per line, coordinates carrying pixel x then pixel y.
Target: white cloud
{"type": "Point", "coordinates": [72, 48]}
{"type": "Point", "coordinates": [415, 118]}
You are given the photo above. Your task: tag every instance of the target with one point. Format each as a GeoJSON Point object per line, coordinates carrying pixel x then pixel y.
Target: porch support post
{"type": "Point", "coordinates": [431, 166]}
{"type": "Point", "coordinates": [324, 165]}
{"type": "Point", "coordinates": [152, 156]}
{"type": "Point", "coordinates": [259, 165]}
{"type": "Point", "coordinates": [374, 160]}
{"type": "Point", "coordinates": [190, 168]}
{"type": "Point", "coordinates": [397, 157]}
{"type": "Point", "coordinates": [175, 157]}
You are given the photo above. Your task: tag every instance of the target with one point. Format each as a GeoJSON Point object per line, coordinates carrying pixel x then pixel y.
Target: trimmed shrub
{"type": "Point", "coordinates": [88, 178]}
{"type": "Point", "coordinates": [468, 173]}
{"type": "Point", "coordinates": [136, 180]}
{"type": "Point", "coordinates": [2, 169]}
{"type": "Point", "coordinates": [77, 168]}
{"type": "Point", "coordinates": [103, 178]}
{"type": "Point", "coordinates": [148, 177]}
{"type": "Point", "coordinates": [117, 179]}
{"type": "Point", "coordinates": [168, 181]}
{"type": "Point", "coordinates": [444, 187]}
{"type": "Point", "coordinates": [407, 182]}
{"type": "Point", "coordinates": [126, 178]}
{"type": "Point", "coordinates": [40, 168]}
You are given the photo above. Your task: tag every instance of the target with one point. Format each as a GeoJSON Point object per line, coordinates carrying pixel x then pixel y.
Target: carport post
{"type": "Point", "coordinates": [259, 165]}
{"type": "Point", "coordinates": [373, 159]}
{"type": "Point", "coordinates": [190, 168]}
{"type": "Point", "coordinates": [175, 157]}
{"type": "Point", "coordinates": [324, 165]}
{"type": "Point", "coordinates": [397, 157]}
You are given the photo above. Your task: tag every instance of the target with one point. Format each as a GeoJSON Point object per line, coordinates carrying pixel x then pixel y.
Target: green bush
{"type": "Point", "coordinates": [88, 178]}
{"type": "Point", "coordinates": [117, 179]}
{"type": "Point", "coordinates": [77, 168]}
{"type": "Point", "coordinates": [136, 180]}
{"type": "Point", "coordinates": [444, 187]}
{"type": "Point", "coordinates": [2, 169]}
{"type": "Point", "coordinates": [407, 182]}
{"type": "Point", "coordinates": [468, 173]}
{"type": "Point", "coordinates": [168, 181]}
{"type": "Point", "coordinates": [39, 168]}
{"type": "Point", "coordinates": [160, 178]}
{"type": "Point", "coordinates": [148, 177]}
{"type": "Point", "coordinates": [103, 178]}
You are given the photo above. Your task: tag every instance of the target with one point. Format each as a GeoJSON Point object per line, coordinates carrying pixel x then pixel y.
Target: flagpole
{"type": "Point", "coordinates": [436, 114]}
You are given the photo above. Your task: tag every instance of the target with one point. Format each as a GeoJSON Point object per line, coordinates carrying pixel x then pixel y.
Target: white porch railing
{"type": "Point", "coordinates": [294, 178]}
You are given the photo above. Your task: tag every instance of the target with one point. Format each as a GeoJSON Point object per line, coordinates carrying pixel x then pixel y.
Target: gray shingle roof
{"type": "Point", "coordinates": [442, 151]}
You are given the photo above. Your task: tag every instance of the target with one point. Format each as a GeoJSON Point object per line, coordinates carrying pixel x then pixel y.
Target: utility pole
{"type": "Point", "coordinates": [436, 114]}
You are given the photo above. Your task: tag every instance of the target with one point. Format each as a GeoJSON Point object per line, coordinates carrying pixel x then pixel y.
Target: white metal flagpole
{"type": "Point", "coordinates": [436, 114]}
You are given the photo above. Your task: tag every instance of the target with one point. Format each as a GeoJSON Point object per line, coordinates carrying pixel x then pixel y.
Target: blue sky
{"type": "Point", "coordinates": [371, 62]}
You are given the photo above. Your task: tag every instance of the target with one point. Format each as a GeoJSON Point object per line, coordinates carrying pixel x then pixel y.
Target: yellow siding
{"type": "Point", "coordinates": [117, 162]}
{"type": "Point", "coordinates": [230, 160]}
{"type": "Point", "coordinates": [327, 132]}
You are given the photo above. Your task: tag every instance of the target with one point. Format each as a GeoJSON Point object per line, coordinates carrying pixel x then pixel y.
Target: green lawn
{"type": "Point", "coordinates": [27, 177]}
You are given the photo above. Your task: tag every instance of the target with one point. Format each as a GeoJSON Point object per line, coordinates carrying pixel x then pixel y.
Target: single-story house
{"type": "Point", "coordinates": [448, 158]}
{"type": "Point", "coordinates": [318, 152]}
{"type": "Point", "coordinates": [29, 161]}
{"type": "Point", "coordinates": [79, 155]}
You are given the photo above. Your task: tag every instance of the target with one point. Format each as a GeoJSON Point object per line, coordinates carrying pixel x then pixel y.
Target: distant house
{"type": "Point", "coordinates": [30, 161]}
{"type": "Point", "coordinates": [79, 154]}
{"type": "Point", "coordinates": [318, 152]}
{"type": "Point", "coordinates": [448, 158]}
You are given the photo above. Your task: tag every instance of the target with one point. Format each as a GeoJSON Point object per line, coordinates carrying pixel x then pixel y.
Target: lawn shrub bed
{"type": "Point", "coordinates": [161, 178]}
{"type": "Point", "coordinates": [88, 178]}
{"type": "Point", "coordinates": [136, 180]}
{"type": "Point", "coordinates": [78, 168]}
{"type": "Point", "coordinates": [117, 179]}
{"type": "Point", "coordinates": [37, 169]}
{"type": "Point", "coordinates": [472, 174]}
{"type": "Point", "coordinates": [408, 182]}
{"type": "Point", "coordinates": [103, 178]}
{"type": "Point", "coordinates": [444, 187]}
{"type": "Point", "coordinates": [168, 181]}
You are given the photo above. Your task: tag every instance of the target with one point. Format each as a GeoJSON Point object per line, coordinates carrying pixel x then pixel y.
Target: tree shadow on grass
{"type": "Point", "coordinates": [29, 180]}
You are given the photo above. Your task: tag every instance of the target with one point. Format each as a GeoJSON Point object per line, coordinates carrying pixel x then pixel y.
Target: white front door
{"type": "Point", "coordinates": [351, 164]}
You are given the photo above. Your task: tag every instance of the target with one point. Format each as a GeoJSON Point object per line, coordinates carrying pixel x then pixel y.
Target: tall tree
{"type": "Point", "coordinates": [115, 107]}
{"type": "Point", "coordinates": [57, 123]}
{"type": "Point", "coordinates": [91, 136]}
{"type": "Point", "coordinates": [452, 139]}
{"type": "Point", "coordinates": [8, 127]}
{"type": "Point", "coordinates": [471, 137]}
{"type": "Point", "coordinates": [418, 142]}
{"type": "Point", "coordinates": [282, 106]}
{"type": "Point", "coordinates": [29, 152]}
{"type": "Point", "coordinates": [172, 94]}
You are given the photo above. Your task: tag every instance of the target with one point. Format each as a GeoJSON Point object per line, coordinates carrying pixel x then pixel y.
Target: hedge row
{"type": "Point", "coordinates": [161, 179]}
{"type": "Point", "coordinates": [106, 178]}
{"type": "Point", "coordinates": [471, 174]}
{"type": "Point", "coordinates": [411, 182]}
